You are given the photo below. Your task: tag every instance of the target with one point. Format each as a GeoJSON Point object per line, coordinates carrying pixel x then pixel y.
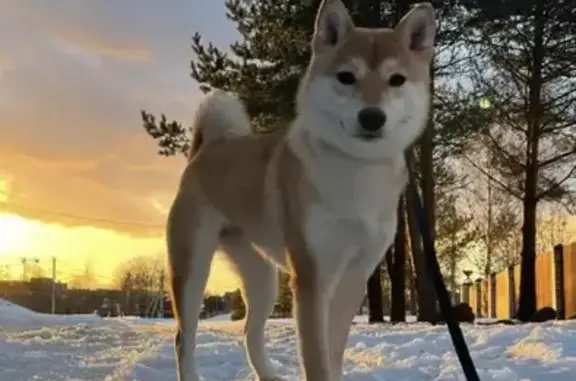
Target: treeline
{"type": "Point", "coordinates": [496, 161]}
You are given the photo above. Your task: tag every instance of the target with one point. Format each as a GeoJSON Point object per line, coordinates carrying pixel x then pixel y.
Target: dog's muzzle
{"type": "Point", "coordinates": [371, 121]}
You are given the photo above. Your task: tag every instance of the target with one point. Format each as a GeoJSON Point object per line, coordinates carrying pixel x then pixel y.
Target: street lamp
{"type": "Point", "coordinates": [467, 274]}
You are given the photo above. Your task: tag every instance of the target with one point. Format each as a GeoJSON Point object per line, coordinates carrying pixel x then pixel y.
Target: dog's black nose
{"type": "Point", "coordinates": [371, 119]}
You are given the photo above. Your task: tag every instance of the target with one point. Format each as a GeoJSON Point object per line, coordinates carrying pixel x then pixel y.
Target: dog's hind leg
{"type": "Point", "coordinates": [259, 289]}
{"type": "Point", "coordinates": [192, 237]}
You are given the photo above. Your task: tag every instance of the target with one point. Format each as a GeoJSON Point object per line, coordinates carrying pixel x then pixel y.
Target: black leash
{"type": "Point", "coordinates": [436, 276]}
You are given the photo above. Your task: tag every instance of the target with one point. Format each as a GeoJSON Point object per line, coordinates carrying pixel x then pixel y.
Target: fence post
{"type": "Point", "coordinates": [479, 297]}
{"type": "Point", "coordinates": [559, 296]}
{"type": "Point", "coordinates": [466, 292]}
{"type": "Point", "coordinates": [492, 295]}
{"type": "Point", "coordinates": [511, 292]}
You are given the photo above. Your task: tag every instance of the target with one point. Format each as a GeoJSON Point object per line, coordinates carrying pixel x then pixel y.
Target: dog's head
{"type": "Point", "coordinates": [366, 91]}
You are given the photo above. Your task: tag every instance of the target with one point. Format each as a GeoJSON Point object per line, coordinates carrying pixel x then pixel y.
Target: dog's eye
{"type": "Point", "coordinates": [397, 80]}
{"type": "Point", "coordinates": [346, 77]}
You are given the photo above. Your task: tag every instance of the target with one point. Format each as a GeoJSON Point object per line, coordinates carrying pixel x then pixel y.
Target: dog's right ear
{"type": "Point", "coordinates": [418, 28]}
{"type": "Point", "coordinates": [333, 23]}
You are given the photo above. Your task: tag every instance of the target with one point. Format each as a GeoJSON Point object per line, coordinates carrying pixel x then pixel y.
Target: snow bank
{"type": "Point", "coordinates": [13, 316]}
{"type": "Point", "coordinates": [406, 352]}
{"type": "Point", "coordinates": [132, 349]}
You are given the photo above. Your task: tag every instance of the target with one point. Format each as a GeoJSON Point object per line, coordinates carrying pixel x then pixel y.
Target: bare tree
{"type": "Point", "coordinates": [86, 280]}
{"type": "Point", "coordinates": [509, 247]}
{"type": "Point", "coordinates": [5, 272]}
{"type": "Point", "coordinates": [455, 234]}
{"type": "Point", "coordinates": [140, 273]}
{"type": "Point", "coordinates": [35, 270]}
{"type": "Point", "coordinates": [552, 228]}
{"type": "Point", "coordinates": [140, 279]}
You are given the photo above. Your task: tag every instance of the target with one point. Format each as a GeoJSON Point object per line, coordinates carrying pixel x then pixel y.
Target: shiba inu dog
{"type": "Point", "coordinates": [316, 200]}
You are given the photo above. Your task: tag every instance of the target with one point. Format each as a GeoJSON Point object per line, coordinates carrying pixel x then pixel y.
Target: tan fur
{"type": "Point", "coordinates": [321, 207]}
{"type": "Point", "coordinates": [375, 47]}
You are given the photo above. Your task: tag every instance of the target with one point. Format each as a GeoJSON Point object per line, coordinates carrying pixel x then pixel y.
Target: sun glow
{"type": "Point", "coordinates": [73, 245]}
{"type": "Point", "coordinates": [15, 235]}
{"type": "Point", "coordinates": [4, 187]}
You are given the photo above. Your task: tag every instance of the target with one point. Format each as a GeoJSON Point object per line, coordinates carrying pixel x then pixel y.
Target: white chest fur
{"type": "Point", "coordinates": [354, 219]}
{"type": "Point", "coordinates": [356, 197]}
{"type": "Point", "coordinates": [352, 189]}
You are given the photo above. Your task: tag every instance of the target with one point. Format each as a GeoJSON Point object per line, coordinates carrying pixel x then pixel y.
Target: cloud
{"type": "Point", "coordinates": [6, 65]}
{"type": "Point", "coordinates": [71, 89]}
{"type": "Point", "coordinates": [74, 76]}
{"type": "Point", "coordinates": [93, 43]}
{"type": "Point", "coordinates": [4, 190]}
{"type": "Point", "coordinates": [110, 192]}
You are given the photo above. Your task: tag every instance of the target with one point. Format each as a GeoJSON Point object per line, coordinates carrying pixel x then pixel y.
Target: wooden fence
{"type": "Point", "coordinates": [497, 297]}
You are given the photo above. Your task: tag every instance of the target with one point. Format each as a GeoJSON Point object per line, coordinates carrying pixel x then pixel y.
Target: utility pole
{"type": "Point", "coordinates": [24, 261]}
{"type": "Point", "coordinates": [23, 269]}
{"type": "Point", "coordinates": [127, 289]}
{"type": "Point", "coordinates": [53, 286]}
{"type": "Point", "coordinates": [161, 298]}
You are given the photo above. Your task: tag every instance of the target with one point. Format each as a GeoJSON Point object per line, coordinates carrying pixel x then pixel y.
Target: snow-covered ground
{"type": "Point", "coordinates": [81, 348]}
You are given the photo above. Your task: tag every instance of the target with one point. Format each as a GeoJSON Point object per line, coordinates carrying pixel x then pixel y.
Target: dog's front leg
{"type": "Point", "coordinates": [343, 307]}
{"type": "Point", "coordinates": [311, 312]}
{"type": "Point", "coordinates": [319, 255]}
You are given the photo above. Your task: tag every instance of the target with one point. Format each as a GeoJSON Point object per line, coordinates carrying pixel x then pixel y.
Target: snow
{"type": "Point", "coordinates": [85, 348]}
{"type": "Point", "coordinates": [224, 317]}
{"type": "Point", "coordinates": [13, 316]}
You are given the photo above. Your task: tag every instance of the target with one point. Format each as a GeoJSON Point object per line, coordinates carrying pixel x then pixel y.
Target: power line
{"type": "Point", "coordinates": [53, 293]}
{"type": "Point", "coordinates": [81, 218]}
{"type": "Point", "coordinates": [75, 271]}
{"type": "Point", "coordinates": [64, 270]}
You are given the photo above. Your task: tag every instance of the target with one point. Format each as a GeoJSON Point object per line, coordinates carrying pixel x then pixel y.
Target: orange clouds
{"type": "Point", "coordinates": [93, 43]}
{"type": "Point", "coordinates": [6, 65]}
{"type": "Point", "coordinates": [4, 189]}
{"type": "Point", "coordinates": [111, 191]}
{"type": "Point", "coordinates": [74, 159]}
{"type": "Point", "coordinates": [71, 90]}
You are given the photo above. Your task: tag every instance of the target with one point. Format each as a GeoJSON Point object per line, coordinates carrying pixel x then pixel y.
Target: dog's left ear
{"type": "Point", "coordinates": [418, 28]}
{"type": "Point", "coordinates": [333, 23]}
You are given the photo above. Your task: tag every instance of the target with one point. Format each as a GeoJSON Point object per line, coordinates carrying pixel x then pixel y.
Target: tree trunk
{"type": "Point", "coordinates": [396, 269]}
{"type": "Point", "coordinates": [375, 305]}
{"type": "Point", "coordinates": [453, 285]}
{"type": "Point", "coordinates": [427, 181]}
{"type": "Point", "coordinates": [426, 293]}
{"type": "Point", "coordinates": [412, 288]}
{"type": "Point", "coordinates": [366, 13]}
{"type": "Point", "coordinates": [527, 302]}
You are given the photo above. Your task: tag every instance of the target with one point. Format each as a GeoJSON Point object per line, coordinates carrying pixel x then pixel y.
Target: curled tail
{"type": "Point", "coordinates": [220, 115]}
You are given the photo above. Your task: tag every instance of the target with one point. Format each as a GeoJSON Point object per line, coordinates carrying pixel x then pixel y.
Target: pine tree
{"type": "Point", "coordinates": [237, 306]}
{"type": "Point", "coordinates": [263, 68]}
{"type": "Point", "coordinates": [283, 306]}
{"type": "Point", "coordinates": [524, 67]}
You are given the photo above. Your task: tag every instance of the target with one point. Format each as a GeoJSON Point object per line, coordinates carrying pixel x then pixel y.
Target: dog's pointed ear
{"type": "Point", "coordinates": [418, 28]}
{"type": "Point", "coordinates": [333, 23]}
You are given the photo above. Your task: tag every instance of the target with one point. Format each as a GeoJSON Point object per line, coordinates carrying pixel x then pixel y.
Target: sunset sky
{"type": "Point", "coordinates": [79, 178]}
